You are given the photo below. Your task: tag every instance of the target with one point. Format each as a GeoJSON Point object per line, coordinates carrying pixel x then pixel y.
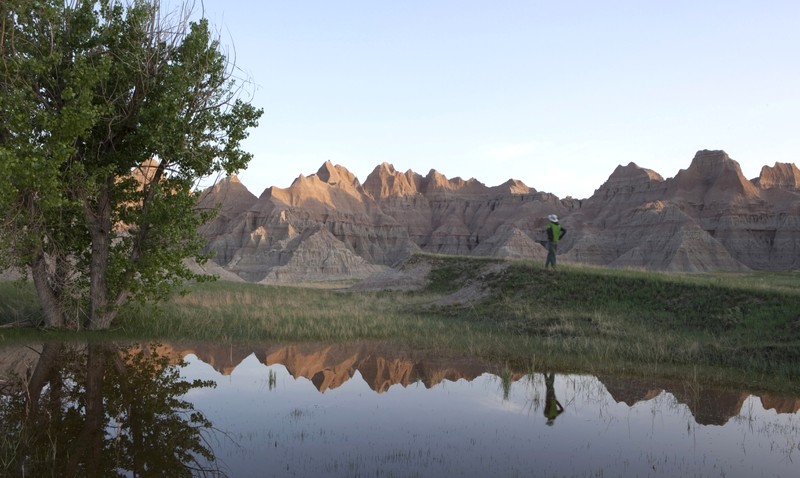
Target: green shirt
{"type": "Point", "coordinates": [554, 232]}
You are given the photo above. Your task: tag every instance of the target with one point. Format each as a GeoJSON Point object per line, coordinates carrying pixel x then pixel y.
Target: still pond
{"type": "Point", "coordinates": [371, 411]}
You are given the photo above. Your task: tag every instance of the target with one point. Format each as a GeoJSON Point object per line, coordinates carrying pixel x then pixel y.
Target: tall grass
{"type": "Point", "coordinates": [247, 312]}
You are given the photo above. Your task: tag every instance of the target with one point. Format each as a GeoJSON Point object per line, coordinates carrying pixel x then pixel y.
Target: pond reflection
{"type": "Point", "coordinates": [372, 410]}
{"type": "Point", "coordinates": [553, 407]}
{"type": "Point", "coordinates": [99, 410]}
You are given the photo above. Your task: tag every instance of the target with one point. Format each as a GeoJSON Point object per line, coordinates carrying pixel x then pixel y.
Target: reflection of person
{"type": "Point", "coordinates": [552, 408]}
{"type": "Point", "coordinates": [554, 234]}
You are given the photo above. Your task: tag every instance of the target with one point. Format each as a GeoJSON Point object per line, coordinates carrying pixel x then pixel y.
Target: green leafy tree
{"type": "Point", "coordinates": [110, 113]}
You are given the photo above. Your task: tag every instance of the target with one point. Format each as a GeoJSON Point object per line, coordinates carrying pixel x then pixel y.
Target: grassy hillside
{"type": "Point", "coordinates": [749, 322]}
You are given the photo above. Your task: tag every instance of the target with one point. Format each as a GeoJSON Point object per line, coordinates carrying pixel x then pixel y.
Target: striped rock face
{"type": "Point", "coordinates": [328, 225]}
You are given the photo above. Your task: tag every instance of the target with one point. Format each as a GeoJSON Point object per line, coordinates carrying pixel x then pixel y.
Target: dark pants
{"type": "Point", "coordinates": [552, 250]}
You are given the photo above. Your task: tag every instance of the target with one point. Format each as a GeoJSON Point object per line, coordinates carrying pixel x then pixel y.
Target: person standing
{"type": "Point", "coordinates": [555, 232]}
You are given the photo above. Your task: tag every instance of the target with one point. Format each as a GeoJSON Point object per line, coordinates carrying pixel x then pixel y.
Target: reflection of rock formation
{"type": "Point", "coordinates": [709, 406]}
{"type": "Point", "coordinates": [328, 366]}
{"type": "Point", "coordinates": [223, 358]}
{"type": "Point", "coordinates": [781, 404]}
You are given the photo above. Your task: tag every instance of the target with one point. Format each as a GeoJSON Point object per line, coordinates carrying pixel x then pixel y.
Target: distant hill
{"type": "Point", "coordinates": [328, 225]}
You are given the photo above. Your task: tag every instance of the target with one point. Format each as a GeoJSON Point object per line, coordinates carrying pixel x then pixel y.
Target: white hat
{"type": "Point", "coordinates": [552, 218]}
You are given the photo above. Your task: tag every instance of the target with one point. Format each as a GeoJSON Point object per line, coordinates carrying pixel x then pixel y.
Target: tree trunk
{"type": "Point", "coordinates": [98, 285]}
{"type": "Point", "coordinates": [99, 220]}
{"type": "Point", "coordinates": [40, 408]}
{"type": "Point", "coordinates": [44, 373]}
{"type": "Point", "coordinates": [87, 449]}
{"type": "Point", "coordinates": [53, 312]}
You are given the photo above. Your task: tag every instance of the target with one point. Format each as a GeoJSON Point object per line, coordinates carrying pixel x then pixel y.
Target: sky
{"type": "Point", "coordinates": [555, 94]}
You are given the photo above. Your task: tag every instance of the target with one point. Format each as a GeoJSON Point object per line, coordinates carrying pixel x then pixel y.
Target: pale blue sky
{"type": "Point", "coordinates": [553, 93]}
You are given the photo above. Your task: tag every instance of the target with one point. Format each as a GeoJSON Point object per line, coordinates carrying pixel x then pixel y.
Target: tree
{"type": "Point", "coordinates": [110, 113]}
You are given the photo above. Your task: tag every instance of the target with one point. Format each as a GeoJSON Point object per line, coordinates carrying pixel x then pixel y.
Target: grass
{"type": "Point", "coordinates": [721, 328]}
{"type": "Point", "coordinates": [18, 303]}
{"type": "Point", "coordinates": [748, 324]}
{"type": "Point", "coordinates": [247, 312]}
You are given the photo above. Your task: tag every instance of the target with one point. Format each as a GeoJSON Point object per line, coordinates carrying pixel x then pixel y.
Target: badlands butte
{"type": "Point", "coordinates": [330, 226]}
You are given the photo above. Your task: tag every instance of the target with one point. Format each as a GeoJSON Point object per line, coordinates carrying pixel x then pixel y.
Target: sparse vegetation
{"type": "Point", "coordinates": [742, 329]}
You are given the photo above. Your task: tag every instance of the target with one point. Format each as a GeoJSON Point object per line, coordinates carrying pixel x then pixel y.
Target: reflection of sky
{"type": "Point", "coordinates": [468, 429]}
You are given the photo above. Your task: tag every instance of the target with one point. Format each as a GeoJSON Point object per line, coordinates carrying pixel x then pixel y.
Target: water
{"type": "Point", "coordinates": [365, 410]}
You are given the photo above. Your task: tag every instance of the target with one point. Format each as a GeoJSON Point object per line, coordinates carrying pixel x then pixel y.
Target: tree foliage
{"type": "Point", "coordinates": [110, 112]}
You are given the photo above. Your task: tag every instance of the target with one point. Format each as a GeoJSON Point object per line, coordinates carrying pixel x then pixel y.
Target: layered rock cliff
{"type": "Point", "coordinates": [708, 217]}
{"type": "Point", "coordinates": [329, 226]}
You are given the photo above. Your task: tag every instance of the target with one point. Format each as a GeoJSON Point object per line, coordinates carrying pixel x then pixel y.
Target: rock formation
{"type": "Point", "coordinates": [708, 217]}
{"type": "Point", "coordinates": [781, 176]}
{"type": "Point", "coordinates": [328, 225]}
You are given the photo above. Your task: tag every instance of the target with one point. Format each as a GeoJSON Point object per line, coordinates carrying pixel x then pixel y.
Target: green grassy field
{"type": "Point", "coordinates": [724, 328]}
